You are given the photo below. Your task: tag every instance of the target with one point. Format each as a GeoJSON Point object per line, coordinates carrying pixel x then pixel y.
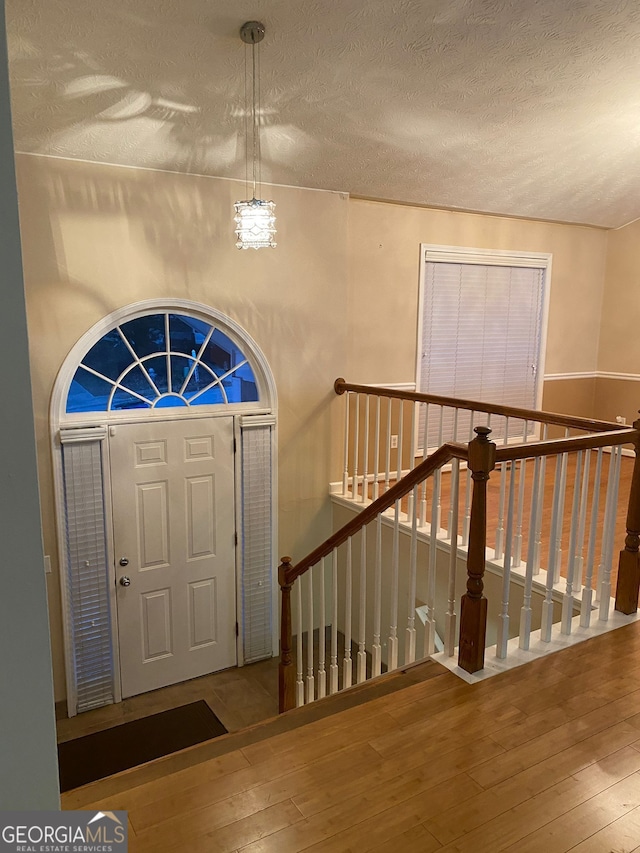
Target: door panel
{"type": "Point", "coordinates": [174, 522]}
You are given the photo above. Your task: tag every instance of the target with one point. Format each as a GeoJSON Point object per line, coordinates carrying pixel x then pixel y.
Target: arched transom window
{"type": "Point", "coordinates": [161, 360]}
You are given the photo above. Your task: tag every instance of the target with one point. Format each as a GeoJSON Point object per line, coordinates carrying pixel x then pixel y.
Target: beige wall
{"type": "Point", "coordinates": [570, 396]}
{"type": "Point", "coordinates": [620, 341]}
{"type": "Point", "coordinates": [384, 242]}
{"type": "Point", "coordinates": [620, 336]}
{"type": "Point", "coordinates": [337, 297]}
{"type": "Point", "coordinates": [96, 238]}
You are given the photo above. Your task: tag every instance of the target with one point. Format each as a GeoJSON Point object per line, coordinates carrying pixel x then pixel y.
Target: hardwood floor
{"type": "Point", "coordinates": [545, 757]}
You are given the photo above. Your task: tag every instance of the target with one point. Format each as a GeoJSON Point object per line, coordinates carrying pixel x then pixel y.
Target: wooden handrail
{"type": "Point", "coordinates": [450, 450]}
{"type": "Point", "coordinates": [553, 446]}
{"type": "Point", "coordinates": [552, 418]}
{"type": "Point", "coordinates": [482, 455]}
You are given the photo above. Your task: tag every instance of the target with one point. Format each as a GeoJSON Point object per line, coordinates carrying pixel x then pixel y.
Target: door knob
{"type": "Point", "coordinates": [125, 581]}
{"type": "Point", "coordinates": [124, 561]}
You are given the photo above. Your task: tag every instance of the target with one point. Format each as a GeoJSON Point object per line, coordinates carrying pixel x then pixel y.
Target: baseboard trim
{"type": "Point", "coordinates": [595, 374]}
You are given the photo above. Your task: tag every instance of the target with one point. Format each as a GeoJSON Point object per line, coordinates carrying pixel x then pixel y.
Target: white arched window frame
{"type": "Point", "coordinates": [82, 484]}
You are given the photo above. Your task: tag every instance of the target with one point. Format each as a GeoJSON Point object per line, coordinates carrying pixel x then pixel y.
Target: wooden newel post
{"type": "Point", "coordinates": [286, 670]}
{"type": "Point", "coordinates": [628, 584]}
{"type": "Point", "coordinates": [473, 609]}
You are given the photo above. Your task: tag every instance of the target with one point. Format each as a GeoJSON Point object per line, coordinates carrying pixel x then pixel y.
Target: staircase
{"type": "Point", "coordinates": [532, 573]}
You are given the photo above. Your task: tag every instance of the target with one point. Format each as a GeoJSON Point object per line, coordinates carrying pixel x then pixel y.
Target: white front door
{"type": "Point", "coordinates": [174, 538]}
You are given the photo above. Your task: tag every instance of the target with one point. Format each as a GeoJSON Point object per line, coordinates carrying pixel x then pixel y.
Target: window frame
{"type": "Point", "coordinates": [267, 399]}
{"type": "Point", "coordinates": [434, 253]}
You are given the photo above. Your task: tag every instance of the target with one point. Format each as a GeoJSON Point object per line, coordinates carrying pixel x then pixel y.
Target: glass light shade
{"type": "Point", "coordinates": [255, 224]}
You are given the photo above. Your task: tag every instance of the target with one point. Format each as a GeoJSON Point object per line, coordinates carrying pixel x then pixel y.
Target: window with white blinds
{"type": "Point", "coordinates": [88, 615]}
{"type": "Point", "coordinates": [481, 337]}
{"type": "Point", "coordinates": [257, 538]}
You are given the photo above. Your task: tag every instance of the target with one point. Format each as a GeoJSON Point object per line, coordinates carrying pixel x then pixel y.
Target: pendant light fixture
{"type": "Point", "coordinates": [255, 219]}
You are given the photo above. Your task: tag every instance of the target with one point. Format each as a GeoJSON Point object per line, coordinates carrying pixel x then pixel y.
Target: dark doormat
{"type": "Point", "coordinates": [101, 754]}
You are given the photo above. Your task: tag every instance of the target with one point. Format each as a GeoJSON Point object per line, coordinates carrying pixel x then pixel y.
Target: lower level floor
{"type": "Point", "coordinates": [544, 758]}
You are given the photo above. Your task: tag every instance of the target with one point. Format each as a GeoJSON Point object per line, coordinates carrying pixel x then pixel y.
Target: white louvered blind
{"type": "Point", "coordinates": [481, 330]}
{"type": "Point", "coordinates": [89, 612]}
{"type": "Point", "coordinates": [257, 548]}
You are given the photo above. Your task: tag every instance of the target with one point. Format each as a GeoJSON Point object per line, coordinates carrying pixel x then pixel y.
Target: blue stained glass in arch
{"type": "Point", "coordinates": [136, 380]}
{"type": "Point", "coordinates": [88, 393]}
{"type": "Point", "coordinates": [123, 400]}
{"type": "Point", "coordinates": [180, 367]}
{"type": "Point", "coordinates": [157, 370]}
{"type": "Point", "coordinates": [146, 334]}
{"type": "Point", "coordinates": [187, 334]}
{"type": "Point", "coordinates": [109, 356]}
{"type": "Point", "coordinates": [199, 379]}
{"type": "Point", "coordinates": [147, 337]}
{"type": "Point", "coordinates": [212, 395]}
{"type": "Point", "coordinates": [169, 401]}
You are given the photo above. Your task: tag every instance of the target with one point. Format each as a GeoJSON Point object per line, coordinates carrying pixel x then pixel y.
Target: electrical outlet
{"type": "Point", "coordinates": [394, 441]}
{"type": "Point", "coordinates": [621, 419]}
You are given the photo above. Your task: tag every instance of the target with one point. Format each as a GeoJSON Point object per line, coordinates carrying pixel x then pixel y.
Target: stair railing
{"type": "Point", "coordinates": [293, 689]}
{"type": "Point", "coordinates": [354, 557]}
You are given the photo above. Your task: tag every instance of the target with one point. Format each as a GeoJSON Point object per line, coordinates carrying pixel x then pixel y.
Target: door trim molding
{"type": "Point", "coordinates": [92, 426]}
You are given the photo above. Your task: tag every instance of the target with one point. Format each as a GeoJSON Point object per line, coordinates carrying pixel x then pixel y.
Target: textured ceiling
{"type": "Point", "coordinates": [524, 107]}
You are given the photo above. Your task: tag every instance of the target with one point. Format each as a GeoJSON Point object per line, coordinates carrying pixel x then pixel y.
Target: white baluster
{"type": "Point", "coordinates": [411, 501]}
{"type": "Point", "coordinates": [400, 441]}
{"type": "Point", "coordinates": [345, 476]}
{"type": "Point", "coordinates": [393, 614]}
{"type": "Point", "coordinates": [387, 468]}
{"type": "Point", "coordinates": [587, 592]}
{"type": "Point", "coordinates": [501, 502]}
{"type": "Point", "coordinates": [503, 622]}
{"type": "Point", "coordinates": [547, 604]}
{"type": "Point", "coordinates": [376, 458]}
{"type": "Point", "coordinates": [376, 649]}
{"type": "Point", "coordinates": [425, 452]}
{"type": "Point", "coordinates": [333, 667]}
{"type": "Point", "coordinates": [567, 599]}
{"type": "Point", "coordinates": [609, 532]}
{"type": "Point", "coordinates": [356, 449]}
{"type": "Point", "coordinates": [361, 666]}
{"type": "Point", "coordinates": [582, 524]}
{"type": "Point", "coordinates": [525, 617]}
{"type": "Point", "coordinates": [430, 625]}
{"type": "Point", "coordinates": [517, 544]}
{"type": "Point", "coordinates": [410, 639]}
{"type": "Point", "coordinates": [563, 492]}
{"type": "Point", "coordinates": [347, 665]}
{"type": "Point", "coordinates": [299, 655]}
{"type": "Point", "coordinates": [556, 520]}
{"type": "Point", "coordinates": [322, 652]}
{"type": "Point", "coordinates": [365, 452]}
{"type": "Point", "coordinates": [310, 680]}
{"type": "Point", "coordinates": [412, 440]}
{"type": "Point", "coordinates": [467, 492]}
{"type": "Point", "coordinates": [451, 618]}
{"type": "Point", "coordinates": [437, 480]}
{"type": "Point", "coordinates": [451, 508]}
{"type": "Point", "coordinates": [538, 531]}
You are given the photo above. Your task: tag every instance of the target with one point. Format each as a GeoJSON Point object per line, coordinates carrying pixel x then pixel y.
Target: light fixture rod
{"type": "Point", "coordinates": [254, 218]}
{"type": "Point", "coordinates": [254, 116]}
{"type": "Point", "coordinates": [252, 33]}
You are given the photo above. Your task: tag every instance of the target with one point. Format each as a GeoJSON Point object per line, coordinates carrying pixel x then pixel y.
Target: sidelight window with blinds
{"type": "Point", "coordinates": [480, 334]}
